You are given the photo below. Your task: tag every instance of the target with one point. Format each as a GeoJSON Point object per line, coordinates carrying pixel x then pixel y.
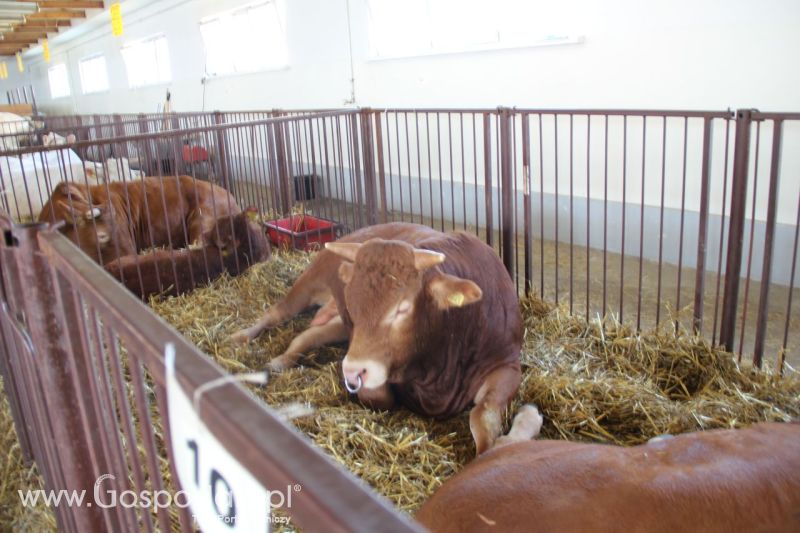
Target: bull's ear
{"type": "Point", "coordinates": [251, 213]}
{"type": "Point", "coordinates": [425, 259]}
{"type": "Point", "coordinates": [346, 272]}
{"type": "Point", "coordinates": [346, 250]}
{"type": "Point", "coordinates": [449, 291]}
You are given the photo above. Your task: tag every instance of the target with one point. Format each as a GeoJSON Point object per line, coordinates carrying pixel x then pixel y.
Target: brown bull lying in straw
{"type": "Point", "coordinates": [124, 218]}
{"type": "Point", "coordinates": [712, 481]}
{"type": "Point", "coordinates": [432, 319]}
{"type": "Point", "coordinates": [233, 244]}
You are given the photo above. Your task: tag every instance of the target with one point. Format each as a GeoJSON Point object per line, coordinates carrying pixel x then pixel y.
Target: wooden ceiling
{"type": "Point", "coordinates": [20, 32]}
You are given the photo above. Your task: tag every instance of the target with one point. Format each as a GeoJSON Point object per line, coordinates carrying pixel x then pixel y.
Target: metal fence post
{"type": "Point", "coordinates": [526, 201]}
{"type": "Point", "coordinates": [381, 170]}
{"type": "Point", "coordinates": [62, 398]}
{"type": "Point", "coordinates": [507, 191]}
{"type": "Point", "coordinates": [222, 150]}
{"type": "Point", "coordinates": [769, 242]}
{"type": "Point", "coordinates": [487, 177]}
{"type": "Point", "coordinates": [284, 181]}
{"type": "Point", "coordinates": [368, 151]}
{"type": "Point", "coordinates": [733, 263]}
{"type": "Point", "coordinates": [700, 272]}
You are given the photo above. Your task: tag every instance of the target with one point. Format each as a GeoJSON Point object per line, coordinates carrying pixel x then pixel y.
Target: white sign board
{"type": "Point", "coordinates": [222, 495]}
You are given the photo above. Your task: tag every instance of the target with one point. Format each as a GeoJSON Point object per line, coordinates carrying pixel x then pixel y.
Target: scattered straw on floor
{"type": "Point", "coordinates": [592, 383]}
{"type": "Point", "coordinates": [15, 475]}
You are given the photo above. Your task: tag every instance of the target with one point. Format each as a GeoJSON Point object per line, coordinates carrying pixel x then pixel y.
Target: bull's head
{"type": "Point", "coordinates": [393, 297]}
{"type": "Point", "coordinates": [94, 227]}
{"type": "Point", "coordinates": [240, 234]}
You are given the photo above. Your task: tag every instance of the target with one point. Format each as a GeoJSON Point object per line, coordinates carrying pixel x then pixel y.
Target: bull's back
{"type": "Point", "coordinates": [731, 480]}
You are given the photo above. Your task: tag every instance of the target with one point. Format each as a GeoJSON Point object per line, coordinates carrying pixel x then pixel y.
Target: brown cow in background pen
{"type": "Point", "coordinates": [433, 322]}
{"type": "Point", "coordinates": [233, 245]}
{"type": "Point", "coordinates": [123, 218]}
{"type": "Point", "coordinates": [716, 481]}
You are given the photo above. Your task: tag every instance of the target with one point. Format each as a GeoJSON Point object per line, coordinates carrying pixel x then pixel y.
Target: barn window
{"type": "Point", "coordinates": [147, 61]}
{"type": "Point", "coordinates": [427, 27]}
{"type": "Point", "coordinates": [94, 75]}
{"type": "Point", "coordinates": [247, 39]}
{"type": "Point", "coordinates": [59, 80]}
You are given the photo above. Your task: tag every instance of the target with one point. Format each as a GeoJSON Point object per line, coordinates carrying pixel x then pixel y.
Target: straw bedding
{"type": "Point", "coordinates": [593, 381]}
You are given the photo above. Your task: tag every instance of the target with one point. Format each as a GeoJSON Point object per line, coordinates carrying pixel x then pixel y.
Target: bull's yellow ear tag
{"type": "Point", "coordinates": [252, 214]}
{"type": "Point", "coordinates": [457, 299]}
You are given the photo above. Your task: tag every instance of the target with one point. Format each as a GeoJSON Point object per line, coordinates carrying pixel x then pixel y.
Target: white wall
{"type": "Point", "coordinates": [666, 54]}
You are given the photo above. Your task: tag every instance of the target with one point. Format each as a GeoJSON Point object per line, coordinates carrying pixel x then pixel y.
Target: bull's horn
{"type": "Point", "coordinates": [92, 213]}
{"type": "Point", "coordinates": [425, 259]}
{"type": "Point", "coordinates": [347, 250]}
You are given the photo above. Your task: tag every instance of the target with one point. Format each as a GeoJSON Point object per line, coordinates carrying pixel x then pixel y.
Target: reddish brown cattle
{"type": "Point", "coordinates": [722, 481]}
{"type": "Point", "coordinates": [432, 319]}
{"type": "Point", "coordinates": [123, 218]}
{"type": "Point", "coordinates": [234, 244]}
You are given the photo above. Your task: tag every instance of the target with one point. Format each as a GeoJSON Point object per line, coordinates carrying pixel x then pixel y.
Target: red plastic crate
{"type": "Point", "coordinates": [304, 232]}
{"type": "Point", "coordinates": [194, 154]}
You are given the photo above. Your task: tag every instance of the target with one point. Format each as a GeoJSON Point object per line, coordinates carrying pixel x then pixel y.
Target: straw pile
{"type": "Point", "coordinates": [14, 476]}
{"type": "Point", "coordinates": [593, 382]}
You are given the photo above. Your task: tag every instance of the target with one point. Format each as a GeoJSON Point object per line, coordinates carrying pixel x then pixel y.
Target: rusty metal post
{"type": "Point", "coordinates": [284, 175]}
{"type": "Point", "coordinates": [368, 151]}
{"type": "Point", "coordinates": [358, 189]}
{"type": "Point", "coordinates": [148, 147]}
{"type": "Point", "coordinates": [507, 191]}
{"type": "Point", "coordinates": [526, 201]}
{"type": "Point", "coordinates": [769, 242]}
{"type": "Point", "coordinates": [381, 169]}
{"type": "Point", "coordinates": [733, 263]}
{"type": "Point", "coordinates": [222, 151]}
{"type": "Point", "coordinates": [487, 177]}
{"type": "Point", "coordinates": [48, 336]}
{"type": "Point", "coordinates": [700, 273]}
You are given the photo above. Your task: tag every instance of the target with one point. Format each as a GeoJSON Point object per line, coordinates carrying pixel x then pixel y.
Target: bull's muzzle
{"type": "Point", "coordinates": [352, 389]}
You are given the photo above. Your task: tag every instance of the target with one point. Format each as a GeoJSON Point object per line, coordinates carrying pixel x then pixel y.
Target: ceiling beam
{"type": "Point", "coordinates": [28, 31]}
{"type": "Point", "coordinates": [70, 4]}
{"type": "Point", "coordinates": [44, 23]}
{"type": "Point", "coordinates": [22, 39]}
{"type": "Point", "coordinates": [57, 14]}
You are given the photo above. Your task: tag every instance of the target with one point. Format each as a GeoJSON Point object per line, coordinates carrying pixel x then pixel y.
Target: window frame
{"type": "Point", "coordinates": [502, 43]}
{"type": "Point", "coordinates": [86, 59]}
{"type": "Point", "coordinates": [142, 41]}
{"type": "Point", "coordinates": [67, 79]}
{"type": "Point", "coordinates": [280, 10]}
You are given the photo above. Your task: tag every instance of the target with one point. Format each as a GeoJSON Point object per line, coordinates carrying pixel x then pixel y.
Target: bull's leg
{"type": "Point", "coordinates": [526, 426]}
{"type": "Point", "coordinates": [309, 289]}
{"type": "Point", "coordinates": [486, 418]}
{"type": "Point", "coordinates": [332, 331]}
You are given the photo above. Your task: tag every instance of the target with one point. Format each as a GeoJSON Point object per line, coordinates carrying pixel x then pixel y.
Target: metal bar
{"type": "Point", "coordinates": [702, 234]}
{"type": "Point", "coordinates": [526, 192]}
{"type": "Point", "coordinates": [507, 192]}
{"type": "Point", "coordinates": [751, 238]}
{"type": "Point", "coordinates": [381, 165]}
{"type": "Point", "coordinates": [487, 177]}
{"type": "Point", "coordinates": [769, 242]}
{"type": "Point", "coordinates": [733, 263]}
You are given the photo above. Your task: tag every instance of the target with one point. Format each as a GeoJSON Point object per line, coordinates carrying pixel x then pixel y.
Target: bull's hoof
{"type": "Point", "coordinates": [241, 337]}
{"type": "Point", "coordinates": [281, 363]}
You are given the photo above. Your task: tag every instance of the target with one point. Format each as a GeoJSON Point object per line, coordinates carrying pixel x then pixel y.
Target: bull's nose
{"type": "Point", "coordinates": [354, 377]}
